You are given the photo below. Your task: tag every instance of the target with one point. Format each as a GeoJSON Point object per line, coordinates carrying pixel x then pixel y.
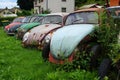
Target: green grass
{"type": "Point", "coordinates": [18, 63]}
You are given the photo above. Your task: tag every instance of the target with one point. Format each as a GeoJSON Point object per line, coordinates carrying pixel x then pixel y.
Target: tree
{"type": "Point", "coordinates": [46, 11]}
{"type": "Point", "coordinates": [25, 4]}
{"type": "Point", "coordinates": [79, 2]}
{"type": "Point", "coordinates": [24, 13]}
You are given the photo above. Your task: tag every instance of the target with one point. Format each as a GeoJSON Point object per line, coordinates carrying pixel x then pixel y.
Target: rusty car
{"type": "Point", "coordinates": [26, 27]}
{"type": "Point", "coordinates": [16, 21]}
{"type": "Point", "coordinates": [51, 22]}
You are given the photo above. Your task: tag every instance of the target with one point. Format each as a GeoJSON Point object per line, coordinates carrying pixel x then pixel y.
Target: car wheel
{"type": "Point", "coordinates": [104, 68]}
{"type": "Point", "coordinates": [45, 51]}
{"type": "Point", "coordinates": [96, 51]}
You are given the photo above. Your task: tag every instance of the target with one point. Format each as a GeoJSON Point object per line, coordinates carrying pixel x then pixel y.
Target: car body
{"type": "Point", "coordinates": [26, 27]}
{"type": "Point", "coordinates": [14, 22]}
{"type": "Point", "coordinates": [74, 35]}
{"type": "Point", "coordinates": [10, 30]}
{"type": "Point", "coordinates": [114, 11]}
{"type": "Point", "coordinates": [36, 35]}
{"type": "Point", "coordinates": [13, 29]}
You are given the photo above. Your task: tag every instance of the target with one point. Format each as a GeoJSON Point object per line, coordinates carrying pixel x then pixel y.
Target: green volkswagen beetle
{"type": "Point", "coordinates": [26, 27]}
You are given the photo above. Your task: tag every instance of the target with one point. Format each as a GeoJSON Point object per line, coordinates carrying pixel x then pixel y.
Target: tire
{"type": "Point", "coordinates": [104, 68]}
{"type": "Point", "coordinates": [45, 51]}
{"type": "Point", "coordinates": [96, 49]}
{"type": "Point", "coordinates": [96, 52]}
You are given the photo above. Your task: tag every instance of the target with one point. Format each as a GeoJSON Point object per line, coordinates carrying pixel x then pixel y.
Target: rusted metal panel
{"type": "Point", "coordinates": [49, 23]}
{"type": "Point", "coordinates": [38, 33]}
{"type": "Point", "coordinates": [78, 25]}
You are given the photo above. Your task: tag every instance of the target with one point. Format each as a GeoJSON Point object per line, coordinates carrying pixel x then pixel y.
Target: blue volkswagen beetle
{"type": "Point", "coordinates": [73, 36]}
{"type": "Point", "coordinates": [70, 41]}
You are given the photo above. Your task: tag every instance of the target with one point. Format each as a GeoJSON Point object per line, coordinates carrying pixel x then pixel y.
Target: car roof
{"type": "Point", "coordinates": [60, 13]}
{"type": "Point", "coordinates": [91, 9]}
{"type": "Point", "coordinates": [113, 7]}
{"type": "Point", "coordinates": [40, 14]}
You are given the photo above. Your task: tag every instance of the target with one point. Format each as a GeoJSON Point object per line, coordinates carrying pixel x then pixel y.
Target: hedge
{"type": "Point", "coordinates": [6, 20]}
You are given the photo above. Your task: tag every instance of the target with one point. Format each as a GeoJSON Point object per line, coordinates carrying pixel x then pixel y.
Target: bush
{"type": "Point", "coordinates": [24, 13]}
{"type": "Point", "coordinates": [46, 11]}
{"type": "Point", "coordinates": [6, 20]}
{"type": "Point", "coordinates": [107, 36]}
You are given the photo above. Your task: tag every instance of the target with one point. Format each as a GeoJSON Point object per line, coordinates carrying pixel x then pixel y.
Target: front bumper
{"type": "Point", "coordinates": [57, 61]}
{"type": "Point", "coordinates": [20, 35]}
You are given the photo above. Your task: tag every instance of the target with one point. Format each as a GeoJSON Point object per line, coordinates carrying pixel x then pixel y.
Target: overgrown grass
{"type": "Point", "coordinates": [18, 63]}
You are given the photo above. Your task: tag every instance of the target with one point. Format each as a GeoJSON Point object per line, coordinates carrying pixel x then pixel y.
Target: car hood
{"type": "Point", "coordinates": [29, 26]}
{"type": "Point", "coordinates": [16, 26]}
{"type": "Point", "coordinates": [65, 40]}
{"type": "Point", "coordinates": [11, 24]}
{"type": "Point", "coordinates": [38, 33]}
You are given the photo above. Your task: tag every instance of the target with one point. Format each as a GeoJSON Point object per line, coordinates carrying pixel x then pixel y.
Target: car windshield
{"type": "Point", "coordinates": [18, 20]}
{"type": "Point", "coordinates": [26, 19]}
{"type": "Point", "coordinates": [114, 11]}
{"type": "Point", "coordinates": [33, 18]}
{"type": "Point", "coordinates": [38, 19]}
{"type": "Point", "coordinates": [54, 19]}
{"type": "Point", "coordinates": [87, 17]}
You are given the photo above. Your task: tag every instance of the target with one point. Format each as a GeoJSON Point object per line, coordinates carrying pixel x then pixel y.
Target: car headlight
{"type": "Point", "coordinates": [25, 37]}
{"type": "Point", "coordinates": [8, 29]}
{"type": "Point", "coordinates": [48, 37]}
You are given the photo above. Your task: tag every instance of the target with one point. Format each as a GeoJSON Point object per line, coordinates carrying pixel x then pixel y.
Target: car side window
{"type": "Point", "coordinates": [70, 19]}
{"type": "Point", "coordinates": [54, 19]}
{"type": "Point", "coordinates": [114, 11]}
{"type": "Point", "coordinates": [117, 12]}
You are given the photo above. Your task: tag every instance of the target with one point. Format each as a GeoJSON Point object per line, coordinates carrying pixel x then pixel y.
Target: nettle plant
{"type": "Point", "coordinates": [108, 36]}
{"type": "Point", "coordinates": [81, 61]}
